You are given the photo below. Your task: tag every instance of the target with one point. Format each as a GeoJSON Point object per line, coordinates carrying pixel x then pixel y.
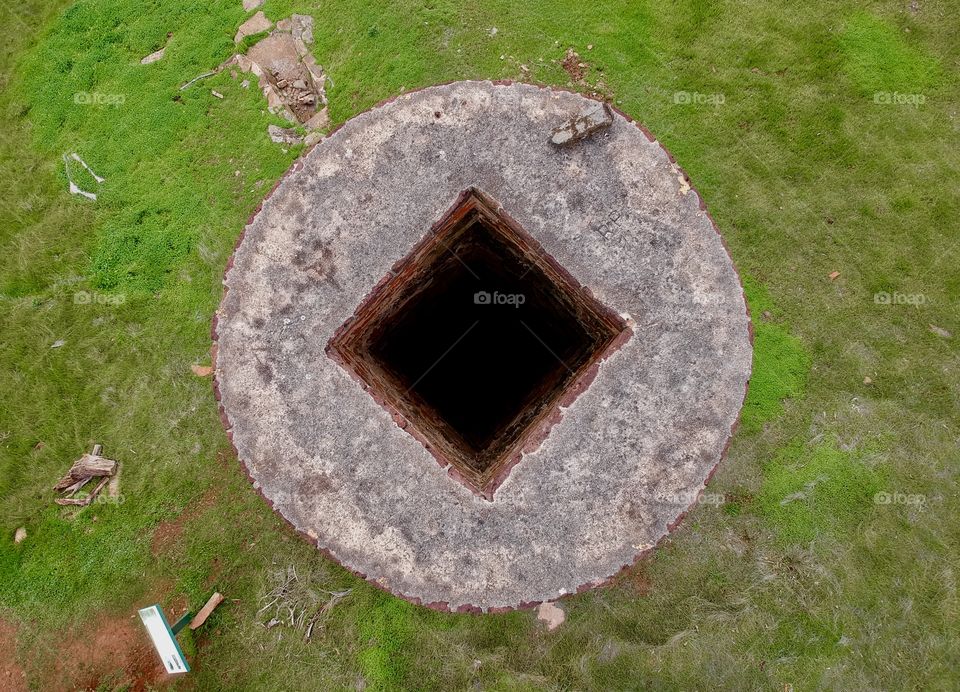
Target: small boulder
{"type": "Point", "coordinates": [20, 535]}
{"type": "Point", "coordinates": [282, 135]}
{"type": "Point", "coordinates": [551, 614]}
{"type": "Point", "coordinates": [581, 126]}
{"type": "Point", "coordinates": [249, 5]}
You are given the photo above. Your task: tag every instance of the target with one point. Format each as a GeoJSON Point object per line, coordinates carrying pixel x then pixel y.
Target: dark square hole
{"type": "Point", "coordinates": [475, 338]}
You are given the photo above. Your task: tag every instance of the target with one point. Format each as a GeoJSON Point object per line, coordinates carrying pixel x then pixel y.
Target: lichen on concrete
{"type": "Point", "coordinates": [628, 457]}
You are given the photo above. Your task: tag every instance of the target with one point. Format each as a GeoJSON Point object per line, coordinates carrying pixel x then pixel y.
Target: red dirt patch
{"type": "Point", "coordinates": [573, 65]}
{"type": "Point", "coordinates": [636, 579]}
{"type": "Point", "coordinates": [12, 677]}
{"type": "Point", "coordinates": [168, 533]}
{"type": "Point", "coordinates": [113, 651]}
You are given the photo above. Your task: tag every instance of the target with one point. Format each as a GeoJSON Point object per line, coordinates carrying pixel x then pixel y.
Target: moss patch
{"type": "Point", "coordinates": [780, 363]}
{"type": "Point", "coordinates": [385, 630]}
{"type": "Point", "coordinates": [808, 492]}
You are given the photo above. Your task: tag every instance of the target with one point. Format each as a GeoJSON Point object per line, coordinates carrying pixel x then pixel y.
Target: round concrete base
{"type": "Point", "coordinates": [621, 461]}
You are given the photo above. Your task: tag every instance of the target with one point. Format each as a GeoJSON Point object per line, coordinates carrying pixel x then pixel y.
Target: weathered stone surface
{"type": "Point", "coordinates": [256, 24]}
{"type": "Point", "coordinates": [596, 116]}
{"type": "Point", "coordinates": [320, 121]}
{"type": "Point", "coordinates": [628, 456]}
{"type": "Point", "coordinates": [300, 27]}
{"type": "Point", "coordinates": [282, 135]}
{"type": "Point", "coordinates": [249, 5]}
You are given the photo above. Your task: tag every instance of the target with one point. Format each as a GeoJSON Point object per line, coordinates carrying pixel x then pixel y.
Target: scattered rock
{"type": "Point", "coordinates": [20, 535]}
{"type": "Point", "coordinates": [867, 380]}
{"type": "Point", "coordinates": [834, 275]}
{"type": "Point", "coordinates": [940, 331]}
{"type": "Point", "coordinates": [312, 138]}
{"type": "Point", "coordinates": [216, 93]}
{"type": "Point", "coordinates": [255, 25]}
{"type": "Point", "coordinates": [153, 57]}
{"type": "Point", "coordinates": [279, 62]}
{"type": "Point", "coordinates": [245, 84]}
{"type": "Point", "coordinates": [573, 66]}
{"type": "Point", "coordinates": [202, 370]}
{"type": "Point", "coordinates": [289, 76]}
{"type": "Point", "coordinates": [300, 26]}
{"type": "Point", "coordinates": [282, 135]}
{"type": "Point", "coordinates": [58, 343]}
{"type": "Point", "coordinates": [249, 5]}
{"type": "Point", "coordinates": [493, 31]}
{"type": "Point", "coordinates": [551, 614]}
{"type": "Point", "coordinates": [584, 125]}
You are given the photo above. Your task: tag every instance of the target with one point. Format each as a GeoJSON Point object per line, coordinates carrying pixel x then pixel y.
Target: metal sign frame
{"type": "Point", "coordinates": [164, 638]}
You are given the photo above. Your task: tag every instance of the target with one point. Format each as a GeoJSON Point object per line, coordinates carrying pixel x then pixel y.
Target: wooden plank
{"type": "Point", "coordinates": [201, 617]}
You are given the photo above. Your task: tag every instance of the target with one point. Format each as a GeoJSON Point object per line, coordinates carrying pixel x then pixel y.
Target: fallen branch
{"type": "Point", "coordinates": [335, 597]}
{"type": "Point", "coordinates": [86, 467]}
{"type": "Point", "coordinates": [86, 500]}
{"type": "Point", "coordinates": [198, 78]}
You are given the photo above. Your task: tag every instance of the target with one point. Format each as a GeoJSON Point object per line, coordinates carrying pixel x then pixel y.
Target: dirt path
{"type": "Point", "coordinates": [12, 677]}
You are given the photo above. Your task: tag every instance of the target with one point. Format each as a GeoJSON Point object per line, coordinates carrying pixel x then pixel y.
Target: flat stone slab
{"type": "Point", "coordinates": [627, 458]}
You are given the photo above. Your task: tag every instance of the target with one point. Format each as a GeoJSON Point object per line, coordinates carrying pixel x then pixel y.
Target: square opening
{"type": "Point", "coordinates": [474, 338]}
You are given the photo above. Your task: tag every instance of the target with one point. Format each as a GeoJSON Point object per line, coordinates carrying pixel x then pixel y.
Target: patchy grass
{"type": "Point", "coordinates": [385, 633]}
{"type": "Point", "coordinates": [811, 492]}
{"type": "Point", "coordinates": [877, 57]}
{"type": "Point", "coordinates": [806, 175]}
{"type": "Point", "coordinates": [780, 362]}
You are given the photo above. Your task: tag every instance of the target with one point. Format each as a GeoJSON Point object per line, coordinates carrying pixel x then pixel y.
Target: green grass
{"type": "Point", "coordinates": [805, 174]}
{"type": "Point", "coordinates": [822, 491]}
{"type": "Point", "coordinates": [877, 57]}
{"type": "Point", "coordinates": [780, 363]}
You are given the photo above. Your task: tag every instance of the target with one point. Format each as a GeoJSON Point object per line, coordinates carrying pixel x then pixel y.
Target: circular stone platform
{"type": "Point", "coordinates": [632, 443]}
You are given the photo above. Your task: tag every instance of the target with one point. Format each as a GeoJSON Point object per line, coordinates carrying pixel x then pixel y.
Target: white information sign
{"type": "Point", "coordinates": [163, 640]}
